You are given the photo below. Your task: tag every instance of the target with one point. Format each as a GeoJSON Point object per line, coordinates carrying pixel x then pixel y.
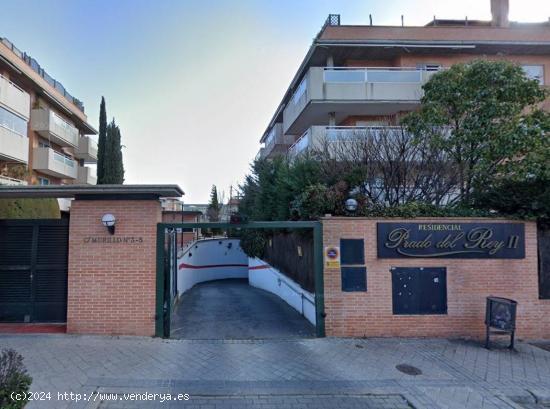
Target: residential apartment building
{"type": "Point", "coordinates": [365, 78]}
{"type": "Point", "coordinates": [44, 132]}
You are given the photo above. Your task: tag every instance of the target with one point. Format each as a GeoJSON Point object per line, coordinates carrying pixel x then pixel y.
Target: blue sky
{"type": "Point", "coordinates": [193, 84]}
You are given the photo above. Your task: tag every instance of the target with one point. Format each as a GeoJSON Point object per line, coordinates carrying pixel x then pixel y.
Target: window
{"type": "Point", "coordinates": [353, 270]}
{"type": "Point", "coordinates": [13, 122]}
{"type": "Point", "coordinates": [43, 181]}
{"type": "Point", "coordinates": [43, 144]}
{"type": "Point", "coordinates": [419, 290]}
{"type": "Point", "coordinates": [534, 72]}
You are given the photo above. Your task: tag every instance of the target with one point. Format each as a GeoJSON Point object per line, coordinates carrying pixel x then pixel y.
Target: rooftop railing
{"type": "Point", "coordinates": [31, 62]}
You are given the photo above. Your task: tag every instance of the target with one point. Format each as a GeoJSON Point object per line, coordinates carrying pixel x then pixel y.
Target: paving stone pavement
{"type": "Point", "coordinates": [276, 402]}
{"type": "Point", "coordinates": [327, 372]}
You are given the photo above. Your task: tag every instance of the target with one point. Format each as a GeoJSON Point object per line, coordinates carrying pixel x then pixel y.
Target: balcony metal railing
{"type": "Point", "coordinates": [33, 64]}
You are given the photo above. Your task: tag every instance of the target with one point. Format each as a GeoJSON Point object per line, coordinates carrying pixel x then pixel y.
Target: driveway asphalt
{"type": "Point", "coordinates": [232, 309]}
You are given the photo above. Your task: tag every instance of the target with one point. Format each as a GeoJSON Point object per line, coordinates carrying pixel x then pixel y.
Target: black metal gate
{"type": "Point", "coordinates": [33, 270]}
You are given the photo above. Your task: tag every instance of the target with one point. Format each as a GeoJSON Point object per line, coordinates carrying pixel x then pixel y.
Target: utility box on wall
{"type": "Point", "coordinates": [419, 290]}
{"type": "Point", "coordinates": [353, 271]}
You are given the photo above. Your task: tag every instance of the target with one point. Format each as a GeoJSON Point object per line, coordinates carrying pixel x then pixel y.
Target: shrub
{"type": "Point", "coordinates": [253, 243]}
{"type": "Point", "coordinates": [13, 378]}
{"type": "Point", "coordinates": [29, 209]}
{"type": "Point", "coordinates": [422, 209]}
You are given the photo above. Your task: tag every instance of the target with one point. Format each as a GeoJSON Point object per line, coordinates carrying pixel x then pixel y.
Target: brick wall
{"type": "Point", "coordinates": [111, 286]}
{"type": "Point", "coordinates": [469, 281]}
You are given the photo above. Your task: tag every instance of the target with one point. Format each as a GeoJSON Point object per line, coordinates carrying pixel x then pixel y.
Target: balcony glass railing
{"type": "Point", "coordinates": [300, 92]}
{"type": "Point", "coordinates": [13, 122]}
{"type": "Point", "coordinates": [68, 129]}
{"type": "Point", "coordinates": [270, 137]}
{"type": "Point", "coordinates": [92, 150]}
{"type": "Point", "coordinates": [340, 133]}
{"type": "Point", "coordinates": [375, 75]}
{"type": "Point", "coordinates": [63, 159]}
{"type": "Point", "coordinates": [301, 144]}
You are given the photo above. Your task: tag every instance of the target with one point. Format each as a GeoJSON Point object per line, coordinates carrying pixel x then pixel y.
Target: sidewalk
{"type": "Point", "coordinates": [308, 373]}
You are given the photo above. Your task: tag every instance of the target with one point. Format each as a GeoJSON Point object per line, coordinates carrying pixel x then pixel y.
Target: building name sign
{"type": "Point", "coordinates": [451, 240]}
{"type": "Point", "coordinates": [113, 240]}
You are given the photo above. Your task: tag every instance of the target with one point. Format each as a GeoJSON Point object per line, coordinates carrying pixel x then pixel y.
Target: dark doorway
{"type": "Point", "coordinates": [33, 270]}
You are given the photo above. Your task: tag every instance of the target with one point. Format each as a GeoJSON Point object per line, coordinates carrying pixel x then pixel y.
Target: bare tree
{"type": "Point", "coordinates": [390, 166]}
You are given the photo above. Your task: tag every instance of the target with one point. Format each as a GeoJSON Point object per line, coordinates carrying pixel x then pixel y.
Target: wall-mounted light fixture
{"type": "Point", "coordinates": [108, 220]}
{"type": "Point", "coordinates": [351, 205]}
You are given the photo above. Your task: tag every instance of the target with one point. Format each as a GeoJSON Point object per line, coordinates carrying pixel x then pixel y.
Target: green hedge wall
{"type": "Point", "coordinates": [29, 209]}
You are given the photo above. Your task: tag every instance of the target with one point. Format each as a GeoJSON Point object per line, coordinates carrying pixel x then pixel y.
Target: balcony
{"type": "Point", "coordinates": [7, 181]}
{"type": "Point", "coordinates": [352, 91]}
{"type": "Point", "coordinates": [337, 139]}
{"type": "Point", "coordinates": [86, 149]}
{"type": "Point", "coordinates": [13, 147]}
{"type": "Point", "coordinates": [260, 154]}
{"type": "Point", "coordinates": [276, 143]}
{"type": "Point", "coordinates": [14, 98]}
{"type": "Point", "coordinates": [86, 176]}
{"type": "Point", "coordinates": [50, 162]}
{"type": "Point", "coordinates": [54, 128]}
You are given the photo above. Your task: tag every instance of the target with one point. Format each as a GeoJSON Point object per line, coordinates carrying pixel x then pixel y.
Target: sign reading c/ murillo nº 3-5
{"type": "Point", "coordinates": [451, 240]}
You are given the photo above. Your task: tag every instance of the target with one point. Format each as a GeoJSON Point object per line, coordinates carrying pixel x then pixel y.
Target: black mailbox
{"type": "Point", "coordinates": [500, 314]}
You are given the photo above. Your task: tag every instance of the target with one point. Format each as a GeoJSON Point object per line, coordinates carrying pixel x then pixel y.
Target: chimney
{"type": "Point", "coordinates": [499, 11]}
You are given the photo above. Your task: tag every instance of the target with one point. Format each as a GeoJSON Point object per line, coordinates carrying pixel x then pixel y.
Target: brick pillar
{"type": "Point", "coordinates": [111, 279]}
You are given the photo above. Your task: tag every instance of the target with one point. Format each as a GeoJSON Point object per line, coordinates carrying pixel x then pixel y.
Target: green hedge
{"type": "Point", "coordinates": [29, 209]}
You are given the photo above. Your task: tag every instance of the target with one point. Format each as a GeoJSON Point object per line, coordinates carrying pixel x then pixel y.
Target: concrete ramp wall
{"type": "Point", "coordinates": [211, 259]}
{"type": "Point", "coordinates": [268, 278]}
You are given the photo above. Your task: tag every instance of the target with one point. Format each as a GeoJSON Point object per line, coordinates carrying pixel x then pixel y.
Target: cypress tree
{"type": "Point", "coordinates": [118, 165]}
{"type": "Point", "coordinates": [101, 143]}
{"type": "Point", "coordinates": [113, 166]}
{"type": "Point", "coordinates": [213, 211]}
{"type": "Point", "coordinates": [214, 205]}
